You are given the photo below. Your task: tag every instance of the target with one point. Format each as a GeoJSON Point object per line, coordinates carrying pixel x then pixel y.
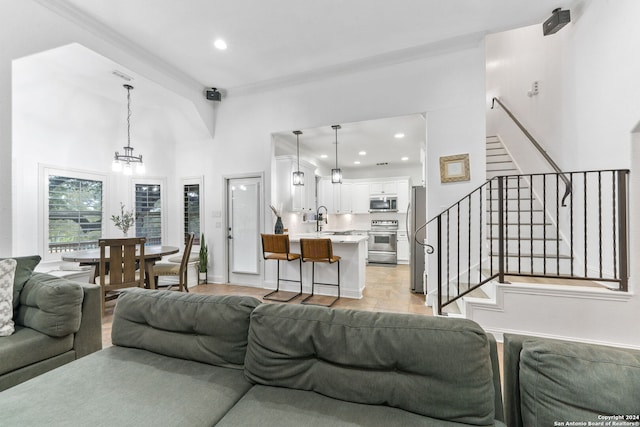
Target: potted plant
{"type": "Point", "coordinates": [203, 259]}
{"type": "Point", "coordinates": [124, 221]}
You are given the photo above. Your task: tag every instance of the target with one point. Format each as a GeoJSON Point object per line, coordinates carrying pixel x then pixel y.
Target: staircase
{"type": "Point", "coordinates": [532, 242]}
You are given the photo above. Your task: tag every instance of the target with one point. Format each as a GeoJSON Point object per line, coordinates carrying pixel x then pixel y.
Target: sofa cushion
{"type": "Point", "coordinates": [265, 406]}
{"type": "Point", "coordinates": [562, 381]}
{"type": "Point", "coordinates": [27, 346]}
{"type": "Point", "coordinates": [26, 265]}
{"type": "Point", "coordinates": [435, 367]}
{"type": "Point", "coordinates": [206, 328]}
{"type": "Point", "coordinates": [7, 272]}
{"type": "Point", "coordinates": [50, 305]}
{"type": "Point", "coordinates": [121, 386]}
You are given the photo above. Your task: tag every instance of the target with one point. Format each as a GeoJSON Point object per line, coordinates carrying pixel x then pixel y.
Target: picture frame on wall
{"type": "Point", "coordinates": [454, 168]}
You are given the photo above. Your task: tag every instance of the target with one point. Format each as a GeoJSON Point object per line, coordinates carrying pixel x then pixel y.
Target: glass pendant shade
{"type": "Point", "coordinates": [336, 176]}
{"type": "Point", "coordinates": [298, 176]}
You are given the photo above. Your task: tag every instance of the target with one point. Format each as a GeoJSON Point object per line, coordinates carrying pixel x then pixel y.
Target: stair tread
{"type": "Point", "coordinates": [548, 238]}
{"type": "Point", "coordinates": [533, 279]}
{"type": "Point", "coordinates": [476, 293]}
{"type": "Point", "coordinates": [535, 255]}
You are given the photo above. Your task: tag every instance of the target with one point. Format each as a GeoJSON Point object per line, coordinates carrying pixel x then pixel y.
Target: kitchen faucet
{"type": "Point", "coordinates": [319, 217]}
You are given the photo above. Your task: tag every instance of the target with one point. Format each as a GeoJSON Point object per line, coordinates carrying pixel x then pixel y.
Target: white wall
{"type": "Point", "coordinates": [448, 87]}
{"type": "Point", "coordinates": [589, 97]}
{"type": "Point", "coordinates": [584, 116]}
{"type": "Point", "coordinates": [27, 28]}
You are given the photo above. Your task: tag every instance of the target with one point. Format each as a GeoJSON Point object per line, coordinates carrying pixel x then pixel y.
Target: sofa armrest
{"type": "Point", "coordinates": [512, 346]}
{"type": "Point", "coordinates": [88, 339]}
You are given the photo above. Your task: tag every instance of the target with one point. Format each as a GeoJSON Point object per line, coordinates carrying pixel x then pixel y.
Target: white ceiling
{"type": "Point", "coordinates": [271, 42]}
{"type": "Point", "coordinates": [375, 137]}
{"type": "Point", "coordinates": [280, 42]}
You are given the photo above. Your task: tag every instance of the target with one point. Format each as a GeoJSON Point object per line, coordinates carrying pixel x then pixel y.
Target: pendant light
{"type": "Point", "coordinates": [298, 176]}
{"type": "Point", "coordinates": [336, 174]}
{"type": "Point", "coordinates": [122, 162]}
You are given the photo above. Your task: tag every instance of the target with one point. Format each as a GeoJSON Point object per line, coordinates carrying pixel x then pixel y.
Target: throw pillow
{"type": "Point", "coordinates": [26, 265]}
{"type": "Point", "coordinates": [7, 273]}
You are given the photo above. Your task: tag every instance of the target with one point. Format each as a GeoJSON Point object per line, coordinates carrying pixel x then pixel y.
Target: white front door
{"type": "Point", "coordinates": [243, 231]}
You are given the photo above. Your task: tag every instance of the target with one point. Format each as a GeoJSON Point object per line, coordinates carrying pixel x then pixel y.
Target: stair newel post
{"type": "Point", "coordinates": [501, 226]}
{"type": "Point", "coordinates": [439, 261]}
{"type": "Point", "coordinates": [622, 230]}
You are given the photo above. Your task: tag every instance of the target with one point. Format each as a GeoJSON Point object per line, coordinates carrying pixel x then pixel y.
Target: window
{"type": "Point", "coordinates": [148, 201]}
{"type": "Point", "coordinates": [192, 205]}
{"type": "Point", "coordinates": [74, 211]}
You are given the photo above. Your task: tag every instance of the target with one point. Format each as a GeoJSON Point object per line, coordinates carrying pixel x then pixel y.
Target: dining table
{"type": "Point", "coordinates": [91, 257]}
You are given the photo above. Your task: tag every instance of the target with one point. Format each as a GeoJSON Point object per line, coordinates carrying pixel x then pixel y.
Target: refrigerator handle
{"type": "Point", "coordinates": [406, 222]}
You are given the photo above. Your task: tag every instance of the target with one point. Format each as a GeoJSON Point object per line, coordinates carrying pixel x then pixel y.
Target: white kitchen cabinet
{"type": "Point", "coordinates": [295, 198]}
{"type": "Point", "coordinates": [403, 248]}
{"type": "Point", "coordinates": [336, 197]}
{"type": "Point", "coordinates": [325, 194]}
{"type": "Point", "coordinates": [384, 187]}
{"type": "Point", "coordinates": [403, 195]}
{"type": "Point", "coordinates": [344, 197]}
{"type": "Point", "coordinates": [360, 198]}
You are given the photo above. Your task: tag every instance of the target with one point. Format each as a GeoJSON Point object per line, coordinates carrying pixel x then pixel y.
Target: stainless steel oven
{"type": "Point", "coordinates": [383, 241]}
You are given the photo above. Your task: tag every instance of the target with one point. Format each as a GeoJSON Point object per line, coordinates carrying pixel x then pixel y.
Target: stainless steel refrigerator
{"type": "Point", "coordinates": [416, 217]}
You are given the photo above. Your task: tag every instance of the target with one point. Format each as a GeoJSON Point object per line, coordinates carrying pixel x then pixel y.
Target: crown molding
{"type": "Point", "coordinates": [449, 45]}
{"type": "Point", "coordinates": [97, 28]}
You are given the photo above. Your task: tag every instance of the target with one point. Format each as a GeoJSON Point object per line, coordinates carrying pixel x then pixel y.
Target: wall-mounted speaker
{"type": "Point", "coordinates": [559, 18]}
{"type": "Point", "coordinates": [213, 94]}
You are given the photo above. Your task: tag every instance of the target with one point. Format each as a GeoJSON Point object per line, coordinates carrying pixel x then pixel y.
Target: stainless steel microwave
{"type": "Point", "coordinates": [383, 204]}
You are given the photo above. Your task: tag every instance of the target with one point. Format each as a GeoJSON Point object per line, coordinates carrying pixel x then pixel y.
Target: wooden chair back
{"type": "Point", "coordinates": [188, 244]}
{"type": "Point", "coordinates": [119, 260]}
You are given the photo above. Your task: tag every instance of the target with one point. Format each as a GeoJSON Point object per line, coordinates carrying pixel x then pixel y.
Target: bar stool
{"type": "Point", "coordinates": [319, 250]}
{"type": "Point", "coordinates": [276, 246]}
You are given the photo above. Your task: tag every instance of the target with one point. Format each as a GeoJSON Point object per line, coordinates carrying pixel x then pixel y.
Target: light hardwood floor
{"type": "Point", "coordinates": [386, 289]}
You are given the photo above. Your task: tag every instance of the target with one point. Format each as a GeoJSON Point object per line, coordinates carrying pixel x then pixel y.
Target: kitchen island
{"type": "Point", "coordinates": [351, 249]}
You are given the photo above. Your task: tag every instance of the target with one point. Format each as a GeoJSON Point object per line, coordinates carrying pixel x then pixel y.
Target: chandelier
{"type": "Point", "coordinates": [122, 162]}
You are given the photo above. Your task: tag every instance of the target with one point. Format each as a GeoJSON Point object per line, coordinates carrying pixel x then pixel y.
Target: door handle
{"type": "Point", "coordinates": [230, 237]}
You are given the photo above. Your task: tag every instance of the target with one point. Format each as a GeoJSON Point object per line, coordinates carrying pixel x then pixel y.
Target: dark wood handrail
{"type": "Point", "coordinates": [542, 151]}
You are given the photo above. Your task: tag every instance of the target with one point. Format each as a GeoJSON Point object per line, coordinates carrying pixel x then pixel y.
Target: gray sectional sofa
{"type": "Point", "coordinates": [56, 322]}
{"type": "Point", "coordinates": [560, 383]}
{"type": "Point", "coordinates": [195, 360]}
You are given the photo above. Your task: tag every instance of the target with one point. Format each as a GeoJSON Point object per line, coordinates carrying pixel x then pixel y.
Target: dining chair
{"type": "Point", "coordinates": [121, 266]}
{"type": "Point", "coordinates": [175, 269]}
{"type": "Point", "coordinates": [319, 250]}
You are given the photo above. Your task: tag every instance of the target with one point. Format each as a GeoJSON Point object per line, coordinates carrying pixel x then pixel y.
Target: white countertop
{"type": "Point", "coordinates": [335, 239]}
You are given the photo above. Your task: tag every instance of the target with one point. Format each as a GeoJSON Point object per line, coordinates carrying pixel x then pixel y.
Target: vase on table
{"type": "Point", "coordinates": [279, 228]}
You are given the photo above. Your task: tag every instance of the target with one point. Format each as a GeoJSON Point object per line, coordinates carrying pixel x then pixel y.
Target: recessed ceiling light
{"type": "Point", "coordinates": [399, 135]}
{"type": "Point", "coordinates": [404, 159]}
{"type": "Point", "coordinates": [220, 44]}
{"type": "Point", "coordinates": [357, 162]}
{"type": "Point", "coordinates": [323, 156]}
{"type": "Point", "coordinates": [362, 153]}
